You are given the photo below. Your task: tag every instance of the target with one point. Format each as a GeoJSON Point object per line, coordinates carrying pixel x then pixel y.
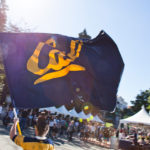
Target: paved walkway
{"type": "Point", "coordinates": [60, 143]}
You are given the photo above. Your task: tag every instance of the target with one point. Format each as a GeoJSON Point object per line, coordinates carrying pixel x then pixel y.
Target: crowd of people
{"type": "Point", "coordinates": [59, 124]}
{"type": "Point", "coordinates": [66, 126]}
{"type": "Point", "coordinates": [138, 135]}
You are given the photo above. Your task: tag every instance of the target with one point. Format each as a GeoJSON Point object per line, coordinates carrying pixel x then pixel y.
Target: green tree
{"type": "Point", "coordinates": [148, 103]}
{"type": "Point", "coordinates": [5, 23]}
{"type": "Point", "coordinates": [141, 99]}
{"type": "Point", "coordinates": [127, 112]}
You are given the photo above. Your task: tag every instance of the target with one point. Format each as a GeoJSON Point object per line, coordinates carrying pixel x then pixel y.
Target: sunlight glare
{"type": "Point", "coordinates": [30, 11]}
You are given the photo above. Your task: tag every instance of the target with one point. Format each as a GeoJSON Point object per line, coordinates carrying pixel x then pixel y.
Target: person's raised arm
{"type": "Point", "coordinates": [13, 130]}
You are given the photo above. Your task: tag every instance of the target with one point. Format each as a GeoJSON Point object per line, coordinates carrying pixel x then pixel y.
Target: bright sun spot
{"type": "Point", "coordinates": [31, 12]}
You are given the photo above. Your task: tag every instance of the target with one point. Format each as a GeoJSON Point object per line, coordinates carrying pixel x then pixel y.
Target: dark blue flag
{"type": "Point", "coordinates": [49, 69]}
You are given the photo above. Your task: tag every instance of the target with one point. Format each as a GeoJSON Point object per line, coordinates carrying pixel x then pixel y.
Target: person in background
{"type": "Point", "coordinates": [70, 130]}
{"type": "Point", "coordinates": [6, 118]}
{"type": "Point", "coordinates": [23, 120]}
{"type": "Point", "coordinates": [63, 122]}
{"type": "Point", "coordinates": [76, 126]}
{"type": "Point", "coordinates": [100, 136]}
{"type": "Point", "coordinates": [10, 114]}
{"type": "Point", "coordinates": [30, 117]}
{"type": "Point", "coordinates": [142, 141]}
{"type": "Point", "coordinates": [55, 131]}
{"type": "Point", "coordinates": [51, 125]}
{"type": "Point", "coordinates": [39, 142]}
{"type": "Point", "coordinates": [0, 110]}
{"type": "Point", "coordinates": [135, 138]}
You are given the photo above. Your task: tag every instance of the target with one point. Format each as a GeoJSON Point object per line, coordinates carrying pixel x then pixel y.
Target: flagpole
{"type": "Point", "coordinates": [15, 114]}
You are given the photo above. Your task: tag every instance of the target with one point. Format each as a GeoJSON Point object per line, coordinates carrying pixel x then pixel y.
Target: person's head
{"type": "Point", "coordinates": [42, 126]}
{"type": "Point", "coordinates": [72, 122]}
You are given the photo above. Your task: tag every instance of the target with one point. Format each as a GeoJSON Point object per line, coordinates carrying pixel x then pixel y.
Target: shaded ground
{"type": "Point", "coordinates": [60, 143]}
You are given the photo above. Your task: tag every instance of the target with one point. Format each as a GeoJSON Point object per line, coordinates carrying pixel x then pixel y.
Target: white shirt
{"type": "Point", "coordinates": [51, 124]}
{"type": "Point", "coordinates": [76, 124]}
{"type": "Point", "coordinates": [93, 129]}
{"type": "Point", "coordinates": [11, 114]}
{"type": "Point", "coordinates": [40, 137]}
{"type": "Point", "coordinates": [30, 117]}
{"type": "Point", "coordinates": [0, 109]}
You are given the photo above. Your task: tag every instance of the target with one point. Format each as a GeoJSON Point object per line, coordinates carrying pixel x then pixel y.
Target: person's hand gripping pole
{"type": "Point", "coordinates": [18, 126]}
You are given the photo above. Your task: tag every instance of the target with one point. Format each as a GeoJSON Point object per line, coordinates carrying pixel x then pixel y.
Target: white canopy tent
{"type": "Point", "coordinates": [63, 110]}
{"type": "Point", "coordinates": [97, 119]}
{"type": "Point", "coordinates": [73, 113]}
{"type": "Point", "coordinates": [89, 115]}
{"type": "Point", "coordinates": [51, 109]}
{"type": "Point", "coordinates": [141, 117]}
{"type": "Point", "coordinates": [82, 115]}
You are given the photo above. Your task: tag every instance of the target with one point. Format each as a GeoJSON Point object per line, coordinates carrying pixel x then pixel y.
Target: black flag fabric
{"type": "Point", "coordinates": [49, 69]}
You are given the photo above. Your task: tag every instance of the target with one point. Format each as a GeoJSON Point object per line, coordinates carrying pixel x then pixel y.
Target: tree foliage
{"type": "Point", "coordinates": [5, 23]}
{"type": "Point", "coordinates": [3, 15]}
{"type": "Point", "coordinates": [141, 99]}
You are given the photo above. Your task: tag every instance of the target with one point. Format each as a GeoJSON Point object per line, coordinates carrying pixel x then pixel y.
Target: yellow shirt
{"type": "Point", "coordinates": [32, 143]}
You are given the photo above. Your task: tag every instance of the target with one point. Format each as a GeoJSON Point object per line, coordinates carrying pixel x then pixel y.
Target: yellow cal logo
{"type": "Point", "coordinates": [60, 68]}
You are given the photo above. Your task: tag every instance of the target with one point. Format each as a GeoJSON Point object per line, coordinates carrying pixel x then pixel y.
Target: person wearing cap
{"type": "Point", "coordinates": [39, 142]}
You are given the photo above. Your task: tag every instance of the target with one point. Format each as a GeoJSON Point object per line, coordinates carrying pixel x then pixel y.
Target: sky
{"type": "Point", "coordinates": [127, 22]}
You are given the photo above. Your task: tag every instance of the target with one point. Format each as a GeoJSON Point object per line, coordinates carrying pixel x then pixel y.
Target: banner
{"type": "Point", "coordinates": [48, 69]}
